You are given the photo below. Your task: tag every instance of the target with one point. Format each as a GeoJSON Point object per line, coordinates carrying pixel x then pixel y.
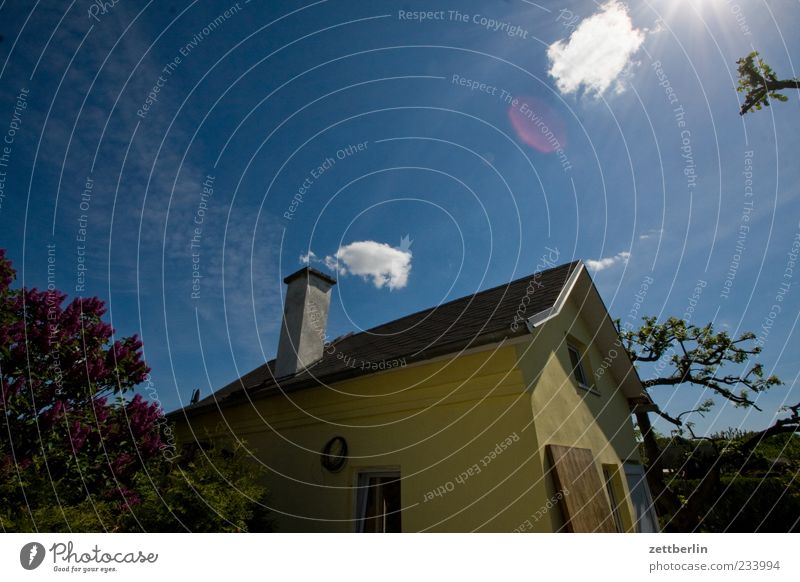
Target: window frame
{"type": "Point", "coordinates": [609, 472]}
{"type": "Point", "coordinates": [580, 353]}
{"type": "Point", "coordinates": [360, 496]}
{"type": "Point", "coordinates": [635, 476]}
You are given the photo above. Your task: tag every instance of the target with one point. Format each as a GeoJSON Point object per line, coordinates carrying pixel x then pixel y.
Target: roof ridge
{"type": "Point", "coordinates": [570, 265]}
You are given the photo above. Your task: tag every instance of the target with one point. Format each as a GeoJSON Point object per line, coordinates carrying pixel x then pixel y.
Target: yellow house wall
{"type": "Point", "coordinates": [434, 422]}
{"type": "Point", "coordinates": [565, 414]}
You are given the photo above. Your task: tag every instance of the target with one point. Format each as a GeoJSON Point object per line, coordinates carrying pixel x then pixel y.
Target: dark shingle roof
{"type": "Point", "coordinates": [470, 321]}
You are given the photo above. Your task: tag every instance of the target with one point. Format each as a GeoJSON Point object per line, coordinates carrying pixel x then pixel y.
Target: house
{"type": "Point", "coordinates": [506, 410]}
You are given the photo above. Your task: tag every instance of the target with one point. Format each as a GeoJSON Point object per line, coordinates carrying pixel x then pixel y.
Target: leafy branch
{"type": "Point", "coordinates": [696, 356]}
{"type": "Point", "coordinates": [759, 83]}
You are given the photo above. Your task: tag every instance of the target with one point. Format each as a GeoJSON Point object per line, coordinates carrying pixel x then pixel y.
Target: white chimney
{"type": "Point", "coordinates": [305, 317]}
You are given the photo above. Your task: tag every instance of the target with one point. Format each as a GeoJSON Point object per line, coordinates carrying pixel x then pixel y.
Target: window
{"type": "Point", "coordinates": [577, 367]}
{"type": "Point", "coordinates": [378, 502]}
{"type": "Point", "coordinates": [608, 476]}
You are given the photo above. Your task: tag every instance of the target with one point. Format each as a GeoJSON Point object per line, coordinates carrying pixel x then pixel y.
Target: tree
{"type": "Point", "coordinates": [684, 354]}
{"type": "Point", "coordinates": [80, 451]}
{"type": "Point", "coordinates": [730, 486]}
{"type": "Point", "coordinates": [759, 83]}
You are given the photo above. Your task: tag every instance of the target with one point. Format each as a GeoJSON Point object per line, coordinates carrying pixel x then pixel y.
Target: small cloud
{"type": "Point", "coordinates": [653, 232]}
{"type": "Point", "coordinates": [406, 242]}
{"type": "Point", "coordinates": [597, 53]}
{"type": "Point", "coordinates": [333, 264]}
{"type": "Point", "coordinates": [658, 27]}
{"type": "Point", "coordinates": [385, 265]}
{"type": "Point", "coordinates": [308, 258]}
{"type": "Point", "coordinates": [607, 262]}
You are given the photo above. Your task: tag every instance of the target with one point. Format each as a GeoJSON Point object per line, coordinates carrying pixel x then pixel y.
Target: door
{"type": "Point", "coordinates": [644, 514]}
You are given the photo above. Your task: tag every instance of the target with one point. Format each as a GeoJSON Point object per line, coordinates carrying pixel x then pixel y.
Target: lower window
{"type": "Point", "coordinates": [378, 502]}
{"type": "Point", "coordinates": [608, 474]}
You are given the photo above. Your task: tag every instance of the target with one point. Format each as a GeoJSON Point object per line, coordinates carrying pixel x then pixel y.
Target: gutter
{"type": "Point", "coordinates": [546, 315]}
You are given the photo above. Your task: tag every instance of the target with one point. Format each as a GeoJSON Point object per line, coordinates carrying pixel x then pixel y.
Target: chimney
{"type": "Point", "coordinates": [305, 317]}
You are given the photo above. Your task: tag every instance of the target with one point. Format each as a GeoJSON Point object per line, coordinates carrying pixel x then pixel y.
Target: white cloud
{"type": "Point", "coordinates": [607, 262]}
{"type": "Point", "coordinates": [387, 266]}
{"type": "Point", "coordinates": [308, 258]}
{"type": "Point", "coordinates": [597, 52]}
{"type": "Point", "coordinates": [651, 233]}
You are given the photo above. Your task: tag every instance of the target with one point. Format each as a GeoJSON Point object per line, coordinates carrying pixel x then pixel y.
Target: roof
{"type": "Point", "coordinates": [482, 318]}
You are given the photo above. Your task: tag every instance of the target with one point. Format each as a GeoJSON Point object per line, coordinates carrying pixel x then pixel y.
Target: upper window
{"type": "Point", "coordinates": [576, 360]}
{"type": "Point", "coordinates": [378, 502]}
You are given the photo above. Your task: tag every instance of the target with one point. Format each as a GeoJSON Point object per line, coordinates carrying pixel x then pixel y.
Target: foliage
{"type": "Point", "coordinates": [749, 504]}
{"type": "Point", "coordinates": [683, 354]}
{"type": "Point", "coordinates": [758, 488]}
{"type": "Point", "coordinates": [205, 491]}
{"type": "Point", "coordinates": [759, 83]}
{"type": "Point", "coordinates": [785, 446]}
{"type": "Point", "coordinates": [697, 355]}
{"type": "Point", "coordinates": [210, 490]}
{"type": "Point", "coordinates": [79, 451]}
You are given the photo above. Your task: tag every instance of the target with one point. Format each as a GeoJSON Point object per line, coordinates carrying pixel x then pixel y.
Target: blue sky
{"type": "Point", "coordinates": [146, 102]}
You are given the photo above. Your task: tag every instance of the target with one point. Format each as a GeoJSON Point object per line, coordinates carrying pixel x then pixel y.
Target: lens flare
{"type": "Point", "coordinates": [537, 124]}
